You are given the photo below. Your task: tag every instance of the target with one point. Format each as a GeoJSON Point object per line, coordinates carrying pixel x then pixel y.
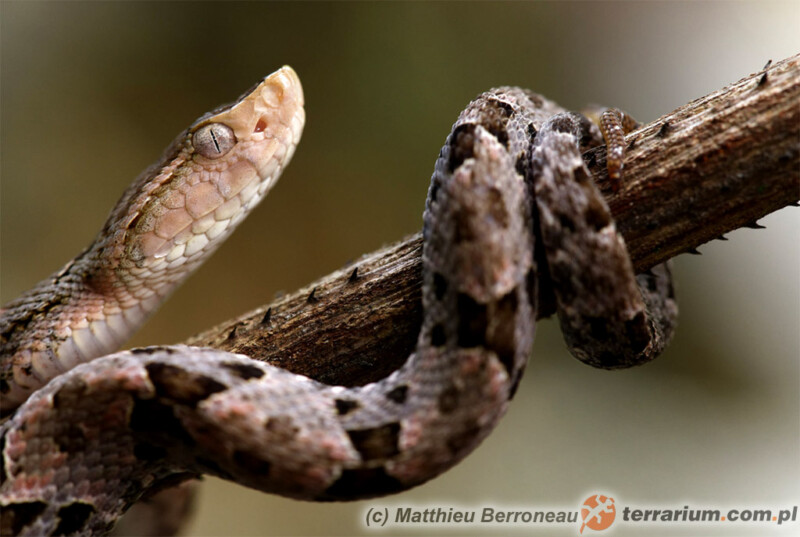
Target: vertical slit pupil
{"type": "Point", "coordinates": [214, 138]}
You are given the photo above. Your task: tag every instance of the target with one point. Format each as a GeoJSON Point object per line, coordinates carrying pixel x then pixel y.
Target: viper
{"type": "Point", "coordinates": [513, 225]}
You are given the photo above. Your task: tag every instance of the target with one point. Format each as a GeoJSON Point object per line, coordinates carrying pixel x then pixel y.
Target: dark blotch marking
{"type": "Point", "coordinates": [506, 108]}
{"type": "Point", "coordinates": [596, 215]}
{"type": "Point", "coordinates": [434, 191]}
{"type": "Point", "coordinates": [534, 98]}
{"type": "Point", "coordinates": [584, 126]}
{"type": "Point", "coordinates": [362, 483]}
{"type": "Point", "coordinates": [18, 515]}
{"type": "Point", "coordinates": [472, 322]}
{"type": "Point", "coordinates": [149, 452]}
{"type": "Point", "coordinates": [74, 388]}
{"type": "Point", "coordinates": [345, 406]}
{"type": "Point", "coordinates": [495, 117]}
{"type": "Point", "coordinates": [566, 222]}
{"type": "Point", "coordinates": [73, 517]}
{"type": "Point", "coordinates": [281, 428]}
{"type": "Point", "coordinates": [438, 337]}
{"type": "Point", "coordinates": [652, 284]}
{"type": "Point", "coordinates": [448, 399]}
{"type": "Point", "coordinates": [464, 439]}
{"type": "Point", "coordinates": [582, 175]}
{"type": "Point", "coordinates": [564, 123]}
{"type": "Point", "coordinates": [244, 371]}
{"type": "Point", "coordinates": [251, 463]}
{"type": "Point", "coordinates": [464, 226]}
{"type": "Point", "coordinates": [521, 165]}
{"type": "Point", "coordinates": [4, 386]}
{"type": "Point", "coordinates": [376, 443]}
{"type": "Point", "coordinates": [398, 394]}
{"type": "Point", "coordinates": [497, 208]}
{"type": "Point", "coordinates": [71, 440]}
{"type": "Point", "coordinates": [154, 417]}
{"type": "Point", "coordinates": [439, 285]}
{"type": "Point", "coordinates": [181, 386]}
{"type": "Point", "coordinates": [598, 327]}
{"type": "Point", "coordinates": [638, 332]}
{"type": "Point", "coordinates": [502, 340]}
{"type": "Point", "coordinates": [462, 146]}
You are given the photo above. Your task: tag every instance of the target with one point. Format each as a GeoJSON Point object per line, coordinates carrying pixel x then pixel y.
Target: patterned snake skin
{"type": "Point", "coordinates": [513, 223]}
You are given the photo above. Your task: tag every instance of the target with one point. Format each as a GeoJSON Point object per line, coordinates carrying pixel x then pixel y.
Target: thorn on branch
{"type": "Point", "coordinates": [234, 333]}
{"type": "Point", "coordinates": [754, 225]}
{"type": "Point", "coordinates": [763, 79]}
{"type": "Point", "coordinates": [353, 276]}
{"type": "Point", "coordinates": [312, 298]}
{"type": "Point", "coordinates": [267, 317]}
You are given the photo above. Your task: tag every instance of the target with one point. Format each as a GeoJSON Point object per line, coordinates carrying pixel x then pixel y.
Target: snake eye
{"type": "Point", "coordinates": [213, 140]}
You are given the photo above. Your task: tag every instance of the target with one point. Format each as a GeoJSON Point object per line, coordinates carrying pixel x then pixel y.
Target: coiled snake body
{"type": "Point", "coordinates": [100, 431]}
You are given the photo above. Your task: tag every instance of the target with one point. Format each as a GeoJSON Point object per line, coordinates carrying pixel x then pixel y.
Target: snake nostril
{"type": "Point", "coordinates": [260, 126]}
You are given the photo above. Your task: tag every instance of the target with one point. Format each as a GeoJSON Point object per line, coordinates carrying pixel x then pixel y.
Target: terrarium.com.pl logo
{"type": "Point", "coordinates": [599, 512]}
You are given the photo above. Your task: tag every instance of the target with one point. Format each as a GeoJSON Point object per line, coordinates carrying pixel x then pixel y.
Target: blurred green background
{"type": "Point", "coordinates": [92, 93]}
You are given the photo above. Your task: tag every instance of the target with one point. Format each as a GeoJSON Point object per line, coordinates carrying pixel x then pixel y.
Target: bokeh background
{"type": "Point", "coordinates": [92, 93]}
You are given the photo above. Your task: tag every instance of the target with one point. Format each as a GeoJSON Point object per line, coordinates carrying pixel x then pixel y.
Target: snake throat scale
{"type": "Point", "coordinates": [513, 225]}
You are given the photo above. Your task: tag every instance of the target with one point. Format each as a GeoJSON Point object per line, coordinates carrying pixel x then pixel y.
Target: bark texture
{"type": "Point", "coordinates": [713, 165]}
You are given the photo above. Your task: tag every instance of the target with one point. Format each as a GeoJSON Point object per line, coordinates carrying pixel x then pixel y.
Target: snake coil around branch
{"type": "Point", "coordinates": [514, 226]}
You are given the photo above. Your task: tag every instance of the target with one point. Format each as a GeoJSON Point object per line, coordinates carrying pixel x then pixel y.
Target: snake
{"type": "Point", "coordinates": [514, 225]}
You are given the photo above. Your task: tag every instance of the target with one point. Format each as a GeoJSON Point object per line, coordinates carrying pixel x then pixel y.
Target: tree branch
{"type": "Point", "coordinates": [716, 164]}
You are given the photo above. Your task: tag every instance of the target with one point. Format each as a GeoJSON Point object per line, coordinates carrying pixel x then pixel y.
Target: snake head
{"type": "Point", "coordinates": [214, 173]}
